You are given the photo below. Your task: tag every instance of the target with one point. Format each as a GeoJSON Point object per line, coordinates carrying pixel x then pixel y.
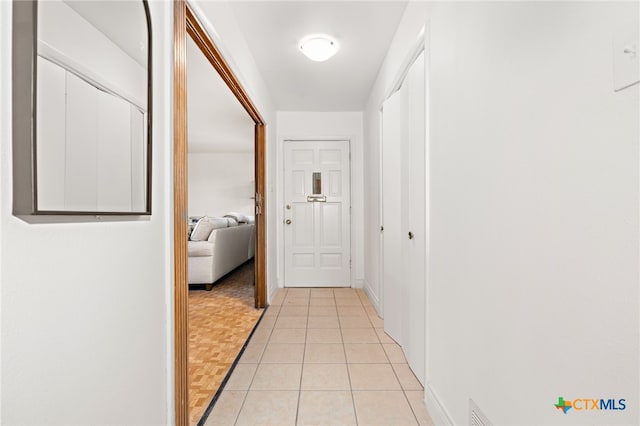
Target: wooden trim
{"type": "Point", "coordinates": [181, 292]}
{"type": "Point", "coordinates": [261, 238]}
{"type": "Point", "coordinates": [185, 22]}
{"type": "Point", "coordinates": [204, 42]}
{"type": "Point", "coordinates": [214, 56]}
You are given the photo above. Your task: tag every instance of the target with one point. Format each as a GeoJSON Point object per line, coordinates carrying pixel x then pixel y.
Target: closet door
{"type": "Point", "coordinates": [404, 217]}
{"type": "Point", "coordinates": [51, 134]}
{"type": "Point", "coordinates": [138, 160]}
{"type": "Point", "coordinates": [414, 193]}
{"type": "Point", "coordinates": [114, 153]}
{"type": "Point", "coordinates": [393, 139]}
{"type": "Point", "coordinates": [81, 166]}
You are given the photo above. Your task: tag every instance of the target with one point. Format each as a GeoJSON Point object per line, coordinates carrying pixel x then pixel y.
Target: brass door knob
{"type": "Point", "coordinates": [288, 221]}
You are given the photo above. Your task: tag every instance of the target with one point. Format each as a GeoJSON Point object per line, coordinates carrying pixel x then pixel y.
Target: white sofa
{"type": "Point", "coordinates": [224, 250]}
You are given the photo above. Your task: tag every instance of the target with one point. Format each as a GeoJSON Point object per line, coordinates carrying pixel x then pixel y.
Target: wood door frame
{"type": "Point", "coordinates": [186, 23]}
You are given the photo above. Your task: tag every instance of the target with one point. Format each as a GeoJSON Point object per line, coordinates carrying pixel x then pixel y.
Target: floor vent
{"type": "Point", "coordinates": [476, 417]}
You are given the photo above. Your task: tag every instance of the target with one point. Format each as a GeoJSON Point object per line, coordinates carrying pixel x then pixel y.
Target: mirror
{"type": "Point", "coordinates": [82, 115]}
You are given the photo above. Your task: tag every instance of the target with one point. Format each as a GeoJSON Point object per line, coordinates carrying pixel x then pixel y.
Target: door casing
{"type": "Point", "coordinates": [187, 23]}
{"type": "Point", "coordinates": [345, 195]}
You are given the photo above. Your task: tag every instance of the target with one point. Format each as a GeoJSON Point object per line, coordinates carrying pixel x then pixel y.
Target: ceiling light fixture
{"type": "Point", "coordinates": [318, 47]}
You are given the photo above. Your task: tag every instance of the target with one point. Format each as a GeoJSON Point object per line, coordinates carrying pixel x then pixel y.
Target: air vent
{"type": "Point", "coordinates": [476, 417]}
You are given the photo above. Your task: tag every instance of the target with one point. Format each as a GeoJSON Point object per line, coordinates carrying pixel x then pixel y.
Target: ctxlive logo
{"type": "Point", "coordinates": [590, 404]}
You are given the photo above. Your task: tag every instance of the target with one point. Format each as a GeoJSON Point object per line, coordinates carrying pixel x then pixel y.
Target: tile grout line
{"type": "Point", "coordinates": [256, 370]}
{"type": "Point", "coordinates": [304, 353]}
{"type": "Point", "coordinates": [404, 392]}
{"type": "Point", "coordinates": [346, 361]}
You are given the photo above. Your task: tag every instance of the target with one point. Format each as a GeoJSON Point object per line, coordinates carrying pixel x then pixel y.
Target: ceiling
{"type": "Point", "coordinates": [272, 29]}
{"type": "Point", "coordinates": [216, 122]}
{"type": "Point", "coordinates": [364, 30]}
{"type": "Point", "coordinates": [123, 22]}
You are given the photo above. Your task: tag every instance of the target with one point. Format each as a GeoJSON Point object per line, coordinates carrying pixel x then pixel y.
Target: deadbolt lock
{"type": "Point", "coordinates": [288, 206]}
{"type": "Point", "coordinates": [288, 221]}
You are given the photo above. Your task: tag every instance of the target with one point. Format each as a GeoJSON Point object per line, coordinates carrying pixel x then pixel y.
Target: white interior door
{"type": "Point", "coordinates": [317, 229]}
{"type": "Point", "coordinates": [404, 216]}
{"type": "Point", "coordinates": [416, 241]}
{"type": "Point", "coordinates": [393, 138]}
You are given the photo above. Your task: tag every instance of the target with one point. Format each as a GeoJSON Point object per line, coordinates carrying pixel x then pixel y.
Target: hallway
{"type": "Point", "coordinates": [320, 356]}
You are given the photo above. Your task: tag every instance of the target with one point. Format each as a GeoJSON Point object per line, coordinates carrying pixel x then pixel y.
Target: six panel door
{"type": "Point", "coordinates": [317, 214]}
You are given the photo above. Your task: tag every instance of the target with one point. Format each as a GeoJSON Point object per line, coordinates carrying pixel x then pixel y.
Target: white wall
{"type": "Point", "coordinates": [86, 308]}
{"type": "Point", "coordinates": [219, 20]}
{"type": "Point", "coordinates": [533, 267]}
{"type": "Point", "coordinates": [65, 36]}
{"type": "Point", "coordinates": [221, 183]}
{"type": "Point", "coordinates": [317, 125]}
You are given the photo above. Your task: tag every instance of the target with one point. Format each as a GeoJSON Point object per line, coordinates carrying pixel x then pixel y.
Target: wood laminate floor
{"type": "Point", "coordinates": [220, 322]}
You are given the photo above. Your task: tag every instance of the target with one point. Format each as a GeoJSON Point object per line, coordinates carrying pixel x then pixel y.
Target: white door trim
{"type": "Point", "coordinates": [281, 202]}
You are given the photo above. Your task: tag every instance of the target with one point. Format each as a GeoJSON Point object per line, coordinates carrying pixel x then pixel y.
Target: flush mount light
{"type": "Point", "coordinates": [318, 47]}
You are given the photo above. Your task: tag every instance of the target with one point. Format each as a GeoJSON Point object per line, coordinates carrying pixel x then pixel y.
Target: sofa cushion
{"type": "Point", "coordinates": [202, 230]}
{"type": "Point", "coordinates": [219, 222]}
{"type": "Point", "coordinates": [200, 249]}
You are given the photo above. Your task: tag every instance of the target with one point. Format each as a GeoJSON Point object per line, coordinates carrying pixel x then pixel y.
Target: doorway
{"type": "Point", "coordinates": [317, 230]}
{"type": "Point", "coordinates": [221, 193]}
{"type": "Point", "coordinates": [187, 23]}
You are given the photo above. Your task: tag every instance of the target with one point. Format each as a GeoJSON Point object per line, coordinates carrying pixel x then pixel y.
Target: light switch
{"type": "Point", "coordinates": [626, 59]}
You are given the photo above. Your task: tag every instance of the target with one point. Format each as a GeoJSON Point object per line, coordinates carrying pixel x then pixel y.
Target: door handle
{"type": "Point", "coordinates": [288, 221]}
{"type": "Point", "coordinates": [410, 235]}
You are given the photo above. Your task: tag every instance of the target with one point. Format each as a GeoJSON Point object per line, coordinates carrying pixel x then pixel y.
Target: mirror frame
{"type": "Point", "coordinates": [24, 56]}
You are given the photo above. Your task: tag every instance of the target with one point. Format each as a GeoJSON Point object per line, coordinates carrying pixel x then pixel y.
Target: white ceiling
{"type": "Point", "coordinates": [123, 22]}
{"type": "Point", "coordinates": [364, 30]}
{"type": "Point", "coordinates": [216, 122]}
{"type": "Point", "coordinates": [272, 29]}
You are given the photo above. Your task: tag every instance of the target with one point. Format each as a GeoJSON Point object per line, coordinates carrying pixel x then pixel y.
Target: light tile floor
{"type": "Point", "coordinates": [321, 357]}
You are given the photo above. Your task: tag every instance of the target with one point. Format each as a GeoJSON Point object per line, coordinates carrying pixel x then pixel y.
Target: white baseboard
{"type": "Point", "coordinates": [272, 292]}
{"type": "Point", "coordinates": [438, 412]}
{"type": "Point", "coordinates": [375, 301]}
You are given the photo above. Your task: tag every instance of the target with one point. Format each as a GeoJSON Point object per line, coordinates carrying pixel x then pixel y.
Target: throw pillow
{"type": "Point", "coordinates": [238, 217]}
{"type": "Point", "coordinates": [202, 230]}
